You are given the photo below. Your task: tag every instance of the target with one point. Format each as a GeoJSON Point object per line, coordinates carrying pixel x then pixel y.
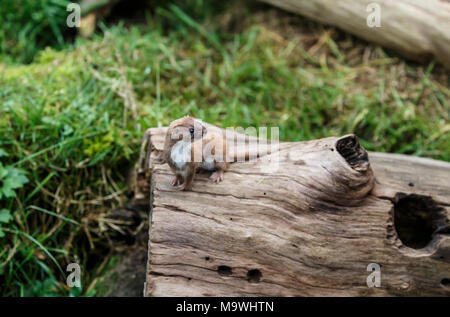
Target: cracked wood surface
{"type": "Point", "coordinates": [308, 227]}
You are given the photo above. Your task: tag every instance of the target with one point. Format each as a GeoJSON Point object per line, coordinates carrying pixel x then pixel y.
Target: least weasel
{"type": "Point", "coordinates": [189, 146]}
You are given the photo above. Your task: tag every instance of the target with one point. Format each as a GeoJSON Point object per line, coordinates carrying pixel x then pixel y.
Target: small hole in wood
{"type": "Point", "coordinates": [207, 258]}
{"type": "Point", "coordinates": [445, 282]}
{"type": "Point", "coordinates": [264, 193]}
{"type": "Point", "coordinates": [254, 276]}
{"type": "Point", "coordinates": [224, 270]}
{"type": "Point", "coordinates": [411, 184]}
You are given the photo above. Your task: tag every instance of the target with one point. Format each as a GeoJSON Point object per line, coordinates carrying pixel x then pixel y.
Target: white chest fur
{"type": "Point", "coordinates": [181, 153]}
{"type": "Point", "coordinates": [208, 165]}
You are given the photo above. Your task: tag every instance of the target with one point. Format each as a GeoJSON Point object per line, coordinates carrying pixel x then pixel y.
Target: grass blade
{"type": "Point", "coordinates": [55, 214]}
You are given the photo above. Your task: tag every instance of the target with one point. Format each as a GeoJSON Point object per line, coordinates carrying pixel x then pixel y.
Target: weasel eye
{"type": "Point", "coordinates": [191, 130]}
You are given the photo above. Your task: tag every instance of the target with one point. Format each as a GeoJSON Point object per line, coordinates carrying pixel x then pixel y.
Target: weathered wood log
{"type": "Point", "coordinates": [416, 29]}
{"type": "Point", "coordinates": [306, 220]}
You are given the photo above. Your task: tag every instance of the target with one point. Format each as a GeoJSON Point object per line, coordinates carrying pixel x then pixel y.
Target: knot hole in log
{"type": "Point", "coordinates": [347, 175]}
{"type": "Point", "coordinates": [353, 153]}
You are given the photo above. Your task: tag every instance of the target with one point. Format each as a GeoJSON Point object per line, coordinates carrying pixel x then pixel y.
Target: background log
{"type": "Point", "coordinates": [308, 228]}
{"type": "Point", "coordinates": [416, 29]}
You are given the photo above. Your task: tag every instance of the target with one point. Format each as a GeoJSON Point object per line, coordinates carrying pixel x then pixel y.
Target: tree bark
{"type": "Point", "coordinates": [305, 220]}
{"type": "Point", "coordinates": [416, 29]}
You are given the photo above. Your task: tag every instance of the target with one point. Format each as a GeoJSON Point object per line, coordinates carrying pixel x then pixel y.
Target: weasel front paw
{"type": "Point", "coordinates": [177, 181]}
{"type": "Point", "coordinates": [217, 176]}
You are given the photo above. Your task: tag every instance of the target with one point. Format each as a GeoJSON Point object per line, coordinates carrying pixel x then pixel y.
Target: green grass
{"type": "Point", "coordinates": [27, 26]}
{"type": "Point", "coordinates": [71, 122]}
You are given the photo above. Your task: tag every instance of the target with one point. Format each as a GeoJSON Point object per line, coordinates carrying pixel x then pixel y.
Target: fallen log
{"type": "Point", "coordinates": [416, 29]}
{"type": "Point", "coordinates": [307, 220]}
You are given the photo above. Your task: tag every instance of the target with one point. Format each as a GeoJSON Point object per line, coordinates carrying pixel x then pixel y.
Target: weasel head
{"type": "Point", "coordinates": [187, 129]}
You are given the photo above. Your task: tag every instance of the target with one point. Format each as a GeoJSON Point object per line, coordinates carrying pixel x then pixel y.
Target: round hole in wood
{"type": "Point", "coordinates": [254, 276]}
{"type": "Point", "coordinates": [415, 219]}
